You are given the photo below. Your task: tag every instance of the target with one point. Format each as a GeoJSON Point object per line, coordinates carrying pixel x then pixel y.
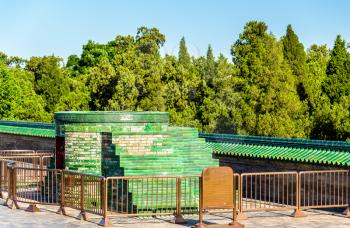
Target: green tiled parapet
{"type": "Point", "coordinates": [320, 152]}
{"type": "Point", "coordinates": [45, 130]}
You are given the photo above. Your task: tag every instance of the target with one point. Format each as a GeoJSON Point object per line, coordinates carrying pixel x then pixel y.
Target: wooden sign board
{"type": "Point", "coordinates": [217, 187]}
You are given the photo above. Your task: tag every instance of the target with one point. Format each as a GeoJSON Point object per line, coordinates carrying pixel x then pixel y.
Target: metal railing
{"type": "Point", "coordinates": [168, 195]}
{"type": "Point", "coordinates": [320, 189]}
{"type": "Point", "coordinates": [268, 191]}
{"type": "Point", "coordinates": [83, 192]}
{"type": "Point", "coordinates": [38, 186]}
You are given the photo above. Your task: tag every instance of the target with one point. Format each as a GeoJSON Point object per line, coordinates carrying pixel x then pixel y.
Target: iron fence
{"type": "Point", "coordinates": [268, 191]}
{"type": "Point", "coordinates": [167, 195]}
{"type": "Point", "coordinates": [320, 189]}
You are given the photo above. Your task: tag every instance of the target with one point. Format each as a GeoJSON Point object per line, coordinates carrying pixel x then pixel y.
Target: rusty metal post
{"type": "Point", "coordinates": [2, 177]}
{"type": "Point", "coordinates": [346, 212]}
{"type": "Point", "coordinates": [7, 175]}
{"type": "Point", "coordinates": [241, 215]}
{"type": "Point", "coordinates": [14, 186]}
{"type": "Point", "coordinates": [235, 223]}
{"type": "Point", "coordinates": [234, 216]}
{"type": "Point", "coordinates": [178, 216]}
{"type": "Point", "coordinates": [200, 224]}
{"type": "Point", "coordinates": [62, 210]}
{"type": "Point", "coordinates": [105, 221]}
{"type": "Point", "coordinates": [82, 214]}
{"type": "Point", "coordinates": [298, 212]}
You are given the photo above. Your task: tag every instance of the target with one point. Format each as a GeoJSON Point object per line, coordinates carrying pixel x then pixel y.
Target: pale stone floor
{"type": "Point", "coordinates": [47, 218]}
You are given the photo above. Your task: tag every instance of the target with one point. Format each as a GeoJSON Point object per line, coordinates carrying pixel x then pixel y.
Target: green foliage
{"type": "Point", "coordinates": [270, 103]}
{"type": "Point", "coordinates": [184, 57]}
{"type": "Point", "coordinates": [295, 55]}
{"type": "Point", "coordinates": [273, 87]}
{"type": "Point", "coordinates": [337, 83]}
{"type": "Point", "coordinates": [18, 98]}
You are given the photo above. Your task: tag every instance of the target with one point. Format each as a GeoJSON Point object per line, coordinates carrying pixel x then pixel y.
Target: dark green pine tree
{"type": "Point", "coordinates": [337, 83]}
{"type": "Point", "coordinates": [184, 57]}
{"type": "Point", "coordinates": [295, 56]}
{"type": "Point", "coordinates": [210, 67]}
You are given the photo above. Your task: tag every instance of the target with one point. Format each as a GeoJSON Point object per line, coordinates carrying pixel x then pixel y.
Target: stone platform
{"type": "Point", "coordinates": [47, 218]}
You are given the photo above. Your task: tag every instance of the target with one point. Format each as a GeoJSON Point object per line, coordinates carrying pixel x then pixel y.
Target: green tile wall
{"type": "Point", "coordinates": [131, 144]}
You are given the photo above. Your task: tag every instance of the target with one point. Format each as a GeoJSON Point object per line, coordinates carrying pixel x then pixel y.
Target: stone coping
{"type": "Point", "coordinates": [72, 117]}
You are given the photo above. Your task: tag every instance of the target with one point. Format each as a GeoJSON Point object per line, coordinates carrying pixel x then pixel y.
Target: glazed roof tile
{"type": "Point", "coordinates": [295, 150]}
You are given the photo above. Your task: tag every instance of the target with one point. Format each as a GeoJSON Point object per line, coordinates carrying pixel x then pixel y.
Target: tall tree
{"type": "Point", "coordinates": [295, 55]}
{"type": "Point", "coordinates": [270, 104]}
{"type": "Point", "coordinates": [337, 83]}
{"type": "Point", "coordinates": [184, 57]}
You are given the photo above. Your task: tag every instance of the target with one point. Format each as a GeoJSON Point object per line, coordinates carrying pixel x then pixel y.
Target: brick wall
{"type": "Point", "coordinates": [22, 142]}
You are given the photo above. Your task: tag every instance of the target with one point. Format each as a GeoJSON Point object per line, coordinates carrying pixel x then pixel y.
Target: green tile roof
{"type": "Point", "coordinates": [297, 150]}
{"type": "Point", "coordinates": [28, 128]}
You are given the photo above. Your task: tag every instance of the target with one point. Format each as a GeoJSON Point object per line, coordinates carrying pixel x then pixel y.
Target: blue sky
{"type": "Point", "coordinates": [61, 27]}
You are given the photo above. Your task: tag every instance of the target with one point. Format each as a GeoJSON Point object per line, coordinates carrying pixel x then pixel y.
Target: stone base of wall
{"type": "Point", "coordinates": [22, 142]}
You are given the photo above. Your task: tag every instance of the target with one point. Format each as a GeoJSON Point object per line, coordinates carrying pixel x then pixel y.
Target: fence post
{"type": "Point", "coordinates": [13, 186]}
{"type": "Point", "coordinates": [298, 212]}
{"type": "Point", "coordinates": [82, 214]}
{"type": "Point", "coordinates": [178, 216]}
{"type": "Point", "coordinates": [240, 215]}
{"type": "Point", "coordinates": [2, 177]}
{"type": "Point", "coordinates": [200, 223]}
{"type": "Point", "coordinates": [346, 212]}
{"type": "Point", "coordinates": [62, 210]}
{"type": "Point", "coordinates": [105, 221]}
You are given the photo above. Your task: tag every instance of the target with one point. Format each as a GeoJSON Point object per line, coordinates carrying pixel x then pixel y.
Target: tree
{"type": "Point", "coordinates": [295, 56]}
{"type": "Point", "coordinates": [53, 83]}
{"type": "Point", "coordinates": [101, 83]}
{"type": "Point", "coordinates": [184, 57]}
{"type": "Point", "coordinates": [270, 105]}
{"type": "Point", "coordinates": [18, 98]}
{"type": "Point", "coordinates": [337, 83]}
{"type": "Point", "coordinates": [219, 109]}
{"type": "Point", "coordinates": [317, 59]}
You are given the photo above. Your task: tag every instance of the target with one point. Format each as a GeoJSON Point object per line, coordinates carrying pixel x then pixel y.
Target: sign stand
{"type": "Point", "coordinates": [218, 191]}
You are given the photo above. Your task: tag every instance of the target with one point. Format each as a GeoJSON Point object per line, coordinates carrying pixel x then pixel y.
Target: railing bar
{"type": "Point", "coordinates": [265, 191]}
{"type": "Point", "coordinates": [118, 196]}
{"type": "Point", "coordinates": [321, 184]}
{"type": "Point", "coordinates": [347, 187]}
{"type": "Point", "coordinates": [246, 191]}
{"type": "Point", "coordinates": [127, 195]}
{"type": "Point", "coordinates": [166, 195]}
{"type": "Point", "coordinates": [147, 195]}
{"type": "Point", "coordinates": [251, 190]}
{"type": "Point", "coordinates": [255, 190]}
{"type": "Point", "coordinates": [338, 195]}
{"type": "Point", "coordinates": [278, 189]}
{"type": "Point", "coordinates": [260, 191]}
{"type": "Point", "coordinates": [162, 196]}
{"type": "Point", "coordinates": [274, 190]}
{"type": "Point", "coordinates": [269, 190]}
{"type": "Point", "coordinates": [293, 177]}
{"type": "Point", "coordinates": [157, 194]}
{"type": "Point", "coordinates": [342, 189]}
{"type": "Point", "coordinates": [325, 189]}
{"type": "Point", "coordinates": [333, 189]}
{"type": "Point", "coordinates": [287, 180]}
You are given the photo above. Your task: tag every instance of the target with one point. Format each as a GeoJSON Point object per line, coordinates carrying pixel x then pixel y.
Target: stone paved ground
{"type": "Point", "coordinates": [47, 218]}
